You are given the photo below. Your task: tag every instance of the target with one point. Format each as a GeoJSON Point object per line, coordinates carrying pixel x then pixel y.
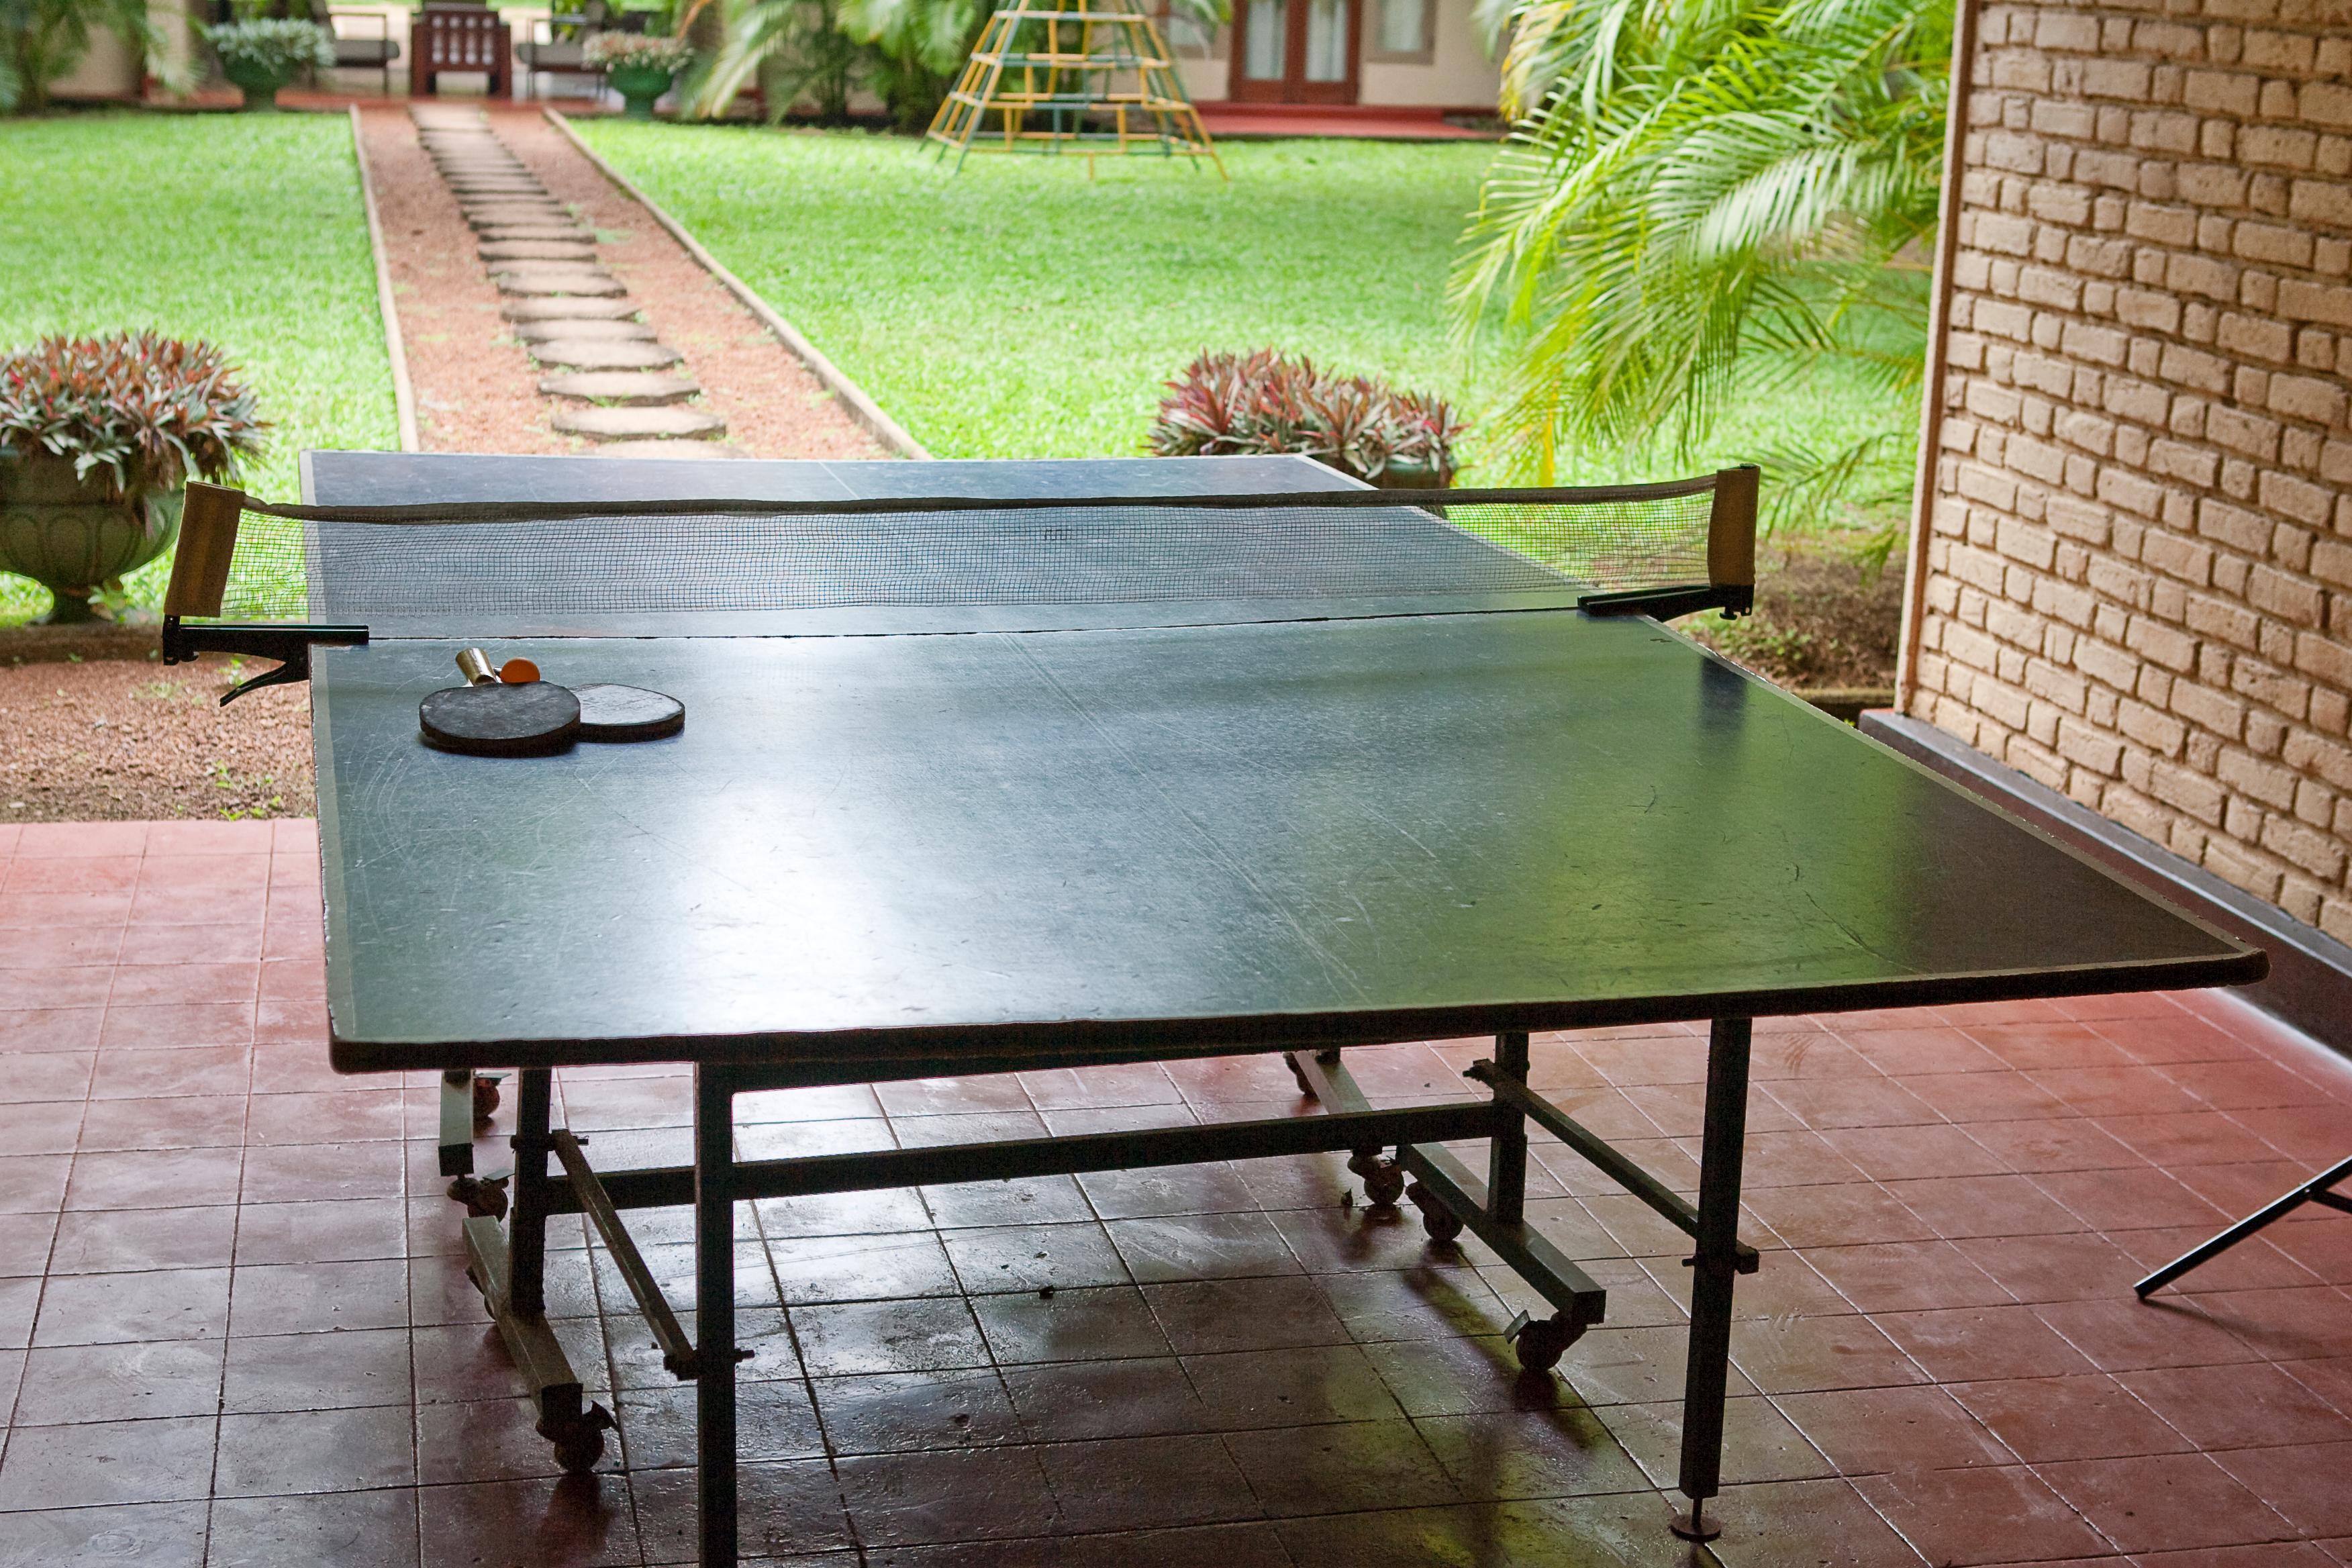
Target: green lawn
{"type": "Point", "coordinates": [1012, 310]}
{"type": "Point", "coordinates": [245, 229]}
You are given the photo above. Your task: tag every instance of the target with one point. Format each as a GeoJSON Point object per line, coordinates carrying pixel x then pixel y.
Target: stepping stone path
{"type": "Point", "coordinates": [574, 316]}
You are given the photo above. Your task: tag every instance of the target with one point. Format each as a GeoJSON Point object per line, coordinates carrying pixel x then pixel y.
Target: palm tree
{"type": "Point", "coordinates": [1701, 199]}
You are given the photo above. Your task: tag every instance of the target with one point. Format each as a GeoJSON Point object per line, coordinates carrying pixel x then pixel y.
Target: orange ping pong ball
{"type": "Point", "coordinates": [517, 672]}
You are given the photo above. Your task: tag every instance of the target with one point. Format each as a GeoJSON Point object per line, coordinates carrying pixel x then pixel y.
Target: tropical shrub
{"type": "Point", "coordinates": [1705, 201]}
{"type": "Point", "coordinates": [796, 49]}
{"type": "Point", "coordinates": [141, 411]}
{"type": "Point", "coordinates": [1263, 402]}
{"type": "Point", "coordinates": [271, 48]}
{"type": "Point", "coordinates": [41, 40]}
{"type": "Point", "coordinates": [909, 51]}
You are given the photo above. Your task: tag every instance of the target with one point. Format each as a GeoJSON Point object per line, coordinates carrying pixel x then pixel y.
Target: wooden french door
{"type": "Point", "coordinates": [1296, 51]}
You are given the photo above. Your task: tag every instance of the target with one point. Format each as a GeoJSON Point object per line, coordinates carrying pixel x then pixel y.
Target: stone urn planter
{"type": "Point", "coordinates": [266, 55]}
{"type": "Point", "coordinates": [99, 438]}
{"type": "Point", "coordinates": [259, 81]}
{"type": "Point", "coordinates": [69, 535]}
{"type": "Point", "coordinates": [640, 66]}
{"type": "Point", "coordinates": [640, 88]}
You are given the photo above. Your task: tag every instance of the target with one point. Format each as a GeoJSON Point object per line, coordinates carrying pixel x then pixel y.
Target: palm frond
{"type": "Point", "coordinates": [1704, 195]}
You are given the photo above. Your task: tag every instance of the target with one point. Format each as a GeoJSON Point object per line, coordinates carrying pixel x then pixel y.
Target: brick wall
{"type": "Point", "coordinates": [2138, 575]}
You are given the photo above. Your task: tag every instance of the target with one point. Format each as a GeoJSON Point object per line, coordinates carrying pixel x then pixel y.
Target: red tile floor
{"type": "Point", "coordinates": [238, 1330]}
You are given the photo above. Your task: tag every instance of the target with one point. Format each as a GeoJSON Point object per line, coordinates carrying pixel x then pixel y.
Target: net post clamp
{"type": "Point", "coordinates": [1734, 599]}
{"type": "Point", "coordinates": [291, 645]}
{"type": "Point", "coordinates": [200, 570]}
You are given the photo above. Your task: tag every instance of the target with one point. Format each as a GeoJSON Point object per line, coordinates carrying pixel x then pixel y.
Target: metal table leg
{"type": "Point", "coordinates": [527, 1219]}
{"type": "Point", "coordinates": [2320, 1190]}
{"type": "Point", "coordinates": [714, 1296]}
{"type": "Point", "coordinates": [1715, 1267]}
{"type": "Point", "coordinates": [509, 1267]}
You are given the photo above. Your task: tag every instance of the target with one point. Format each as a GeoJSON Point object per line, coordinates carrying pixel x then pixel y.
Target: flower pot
{"type": "Point", "coordinates": [259, 80]}
{"type": "Point", "coordinates": [1399, 476]}
{"type": "Point", "coordinates": [639, 86]}
{"type": "Point", "coordinates": [69, 535]}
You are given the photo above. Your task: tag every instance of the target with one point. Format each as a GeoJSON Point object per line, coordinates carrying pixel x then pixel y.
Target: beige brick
{"type": "Point", "coordinates": [2306, 397]}
{"type": "Point", "coordinates": [2328, 759]}
{"type": "Point", "coordinates": [2225, 716]}
{"type": "Point", "coordinates": [2285, 598]}
{"type": "Point", "coordinates": [2173, 649]}
{"type": "Point", "coordinates": [2159, 732]}
{"type": "Point", "coordinates": [2251, 776]}
{"type": "Point", "coordinates": [2188, 791]}
{"type": "Point", "coordinates": [2298, 498]}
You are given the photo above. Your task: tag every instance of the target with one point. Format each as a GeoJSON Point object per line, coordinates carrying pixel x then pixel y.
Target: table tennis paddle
{"type": "Point", "coordinates": [613, 713]}
{"type": "Point", "coordinates": [493, 717]}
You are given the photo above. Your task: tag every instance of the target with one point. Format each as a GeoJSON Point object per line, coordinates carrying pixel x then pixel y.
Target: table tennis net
{"type": "Point", "coordinates": [534, 560]}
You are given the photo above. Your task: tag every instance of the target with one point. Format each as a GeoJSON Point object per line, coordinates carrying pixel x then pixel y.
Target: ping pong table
{"type": "Point", "coordinates": [902, 838]}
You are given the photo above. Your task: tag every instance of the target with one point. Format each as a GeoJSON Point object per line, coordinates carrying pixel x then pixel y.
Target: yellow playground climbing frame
{"type": "Point", "coordinates": [1088, 76]}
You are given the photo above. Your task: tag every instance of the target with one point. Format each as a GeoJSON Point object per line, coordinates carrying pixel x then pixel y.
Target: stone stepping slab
{"type": "Point", "coordinates": [569, 309]}
{"type": "Point", "coordinates": [670, 423]}
{"type": "Point", "coordinates": [638, 387]}
{"type": "Point", "coordinates": [547, 269]}
{"type": "Point", "coordinates": [544, 286]}
{"type": "Point", "coordinates": [578, 330]}
{"type": "Point", "coordinates": [554, 273]}
{"type": "Point", "coordinates": [577, 353]}
{"type": "Point", "coordinates": [501, 215]}
{"type": "Point", "coordinates": [537, 250]}
{"type": "Point", "coordinates": [559, 232]}
{"type": "Point", "coordinates": [499, 188]}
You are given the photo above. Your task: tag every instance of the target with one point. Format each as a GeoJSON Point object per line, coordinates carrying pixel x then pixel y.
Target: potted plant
{"type": "Point", "coordinates": [97, 438]}
{"type": "Point", "coordinates": [262, 56]}
{"type": "Point", "coordinates": [640, 66]}
{"type": "Point", "coordinates": [1264, 403]}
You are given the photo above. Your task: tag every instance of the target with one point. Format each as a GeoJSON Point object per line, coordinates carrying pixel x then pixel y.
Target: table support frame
{"type": "Point", "coordinates": [509, 1262]}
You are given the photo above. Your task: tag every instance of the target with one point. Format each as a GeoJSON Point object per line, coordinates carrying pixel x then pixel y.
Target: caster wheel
{"type": "Point", "coordinates": [1441, 1223]}
{"type": "Point", "coordinates": [1541, 1341]}
{"type": "Point", "coordinates": [580, 1442]}
{"type": "Point", "coordinates": [1383, 1179]}
{"type": "Point", "coordinates": [484, 1198]}
{"type": "Point", "coordinates": [486, 1096]}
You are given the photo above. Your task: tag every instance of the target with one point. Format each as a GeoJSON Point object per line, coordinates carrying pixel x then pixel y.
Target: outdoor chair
{"type": "Point", "coordinates": [565, 49]}
{"type": "Point", "coordinates": [361, 53]}
{"type": "Point", "coordinates": [459, 37]}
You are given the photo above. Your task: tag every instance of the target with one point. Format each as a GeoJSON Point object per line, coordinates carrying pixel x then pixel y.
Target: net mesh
{"type": "Point", "coordinates": [526, 561]}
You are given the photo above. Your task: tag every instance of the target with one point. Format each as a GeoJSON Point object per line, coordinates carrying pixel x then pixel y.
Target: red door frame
{"type": "Point", "coordinates": [1294, 87]}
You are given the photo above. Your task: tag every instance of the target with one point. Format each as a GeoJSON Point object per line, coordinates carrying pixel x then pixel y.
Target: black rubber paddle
{"type": "Point", "coordinates": [493, 717]}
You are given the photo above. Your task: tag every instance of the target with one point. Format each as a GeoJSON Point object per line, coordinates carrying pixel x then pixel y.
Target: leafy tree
{"type": "Point", "coordinates": [41, 40]}
{"type": "Point", "coordinates": [795, 48]}
{"type": "Point", "coordinates": [1704, 200]}
{"type": "Point", "coordinates": [908, 52]}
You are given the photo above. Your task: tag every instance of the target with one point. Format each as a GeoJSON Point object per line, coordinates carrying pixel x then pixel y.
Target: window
{"type": "Point", "coordinates": [1403, 32]}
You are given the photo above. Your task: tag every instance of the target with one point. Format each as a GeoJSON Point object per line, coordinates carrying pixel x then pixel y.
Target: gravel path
{"type": "Point", "coordinates": [109, 738]}
{"type": "Point", "coordinates": [476, 388]}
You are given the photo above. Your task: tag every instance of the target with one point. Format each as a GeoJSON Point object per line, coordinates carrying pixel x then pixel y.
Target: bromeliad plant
{"type": "Point", "coordinates": [133, 413]}
{"type": "Point", "coordinates": [1261, 403]}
